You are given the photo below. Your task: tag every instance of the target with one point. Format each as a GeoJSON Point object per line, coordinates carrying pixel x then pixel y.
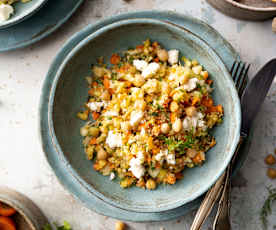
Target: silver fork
{"type": "Point", "coordinates": [239, 72]}
{"type": "Point", "coordinates": [222, 219]}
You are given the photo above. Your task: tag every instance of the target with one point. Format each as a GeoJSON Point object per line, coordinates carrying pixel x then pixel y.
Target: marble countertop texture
{"type": "Point", "coordinates": [22, 163]}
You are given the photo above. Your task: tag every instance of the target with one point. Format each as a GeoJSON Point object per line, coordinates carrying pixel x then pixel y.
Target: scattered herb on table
{"type": "Point", "coordinates": [65, 226]}
{"type": "Point", "coordinates": [266, 209]}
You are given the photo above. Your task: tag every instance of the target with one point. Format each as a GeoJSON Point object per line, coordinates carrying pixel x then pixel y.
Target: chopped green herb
{"type": "Point", "coordinates": [154, 114]}
{"type": "Point", "coordinates": [109, 118]}
{"type": "Point", "coordinates": [65, 226]}
{"type": "Point", "coordinates": [114, 76]}
{"type": "Point", "coordinates": [266, 209]}
{"type": "Point", "coordinates": [99, 81]}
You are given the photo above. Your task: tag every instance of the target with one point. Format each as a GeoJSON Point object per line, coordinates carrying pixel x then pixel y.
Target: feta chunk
{"type": "Point", "coordinates": [114, 139]}
{"type": "Point", "coordinates": [171, 159]}
{"type": "Point", "coordinates": [136, 117]}
{"type": "Point", "coordinates": [136, 167]}
{"type": "Point", "coordinates": [191, 85]}
{"type": "Point", "coordinates": [190, 123]}
{"type": "Point", "coordinates": [173, 56]}
{"type": "Point", "coordinates": [151, 69]}
{"type": "Point", "coordinates": [112, 176]}
{"type": "Point", "coordinates": [111, 114]}
{"type": "Point", "coordinates": [5, 12]}
{"type": "Point", "coordinates": [96, 106]}
{"type": "Point", "coordinates": [140, 64]}
{"type": "Point", "coordinates": [151, 86]}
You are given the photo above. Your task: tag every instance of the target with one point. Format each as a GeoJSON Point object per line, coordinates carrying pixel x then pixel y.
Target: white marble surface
{"type": "Point", "coordinates": [22, 163]}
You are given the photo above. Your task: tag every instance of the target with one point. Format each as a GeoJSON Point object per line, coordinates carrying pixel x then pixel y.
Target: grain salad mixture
{"type": "Point", "coordinates": [148, 116]}
{"type": "Point", "coordinates": [6, 8]}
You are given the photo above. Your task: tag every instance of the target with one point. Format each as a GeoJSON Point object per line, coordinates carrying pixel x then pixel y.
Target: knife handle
{"type": "Point", "coordinates": [213, 195]}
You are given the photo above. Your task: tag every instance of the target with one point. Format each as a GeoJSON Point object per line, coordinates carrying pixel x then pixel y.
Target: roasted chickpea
{"type": "Point", "coordinates": [94, 131]}
{"type": "Point", "coordinates": [120, 225]}
{"type": "Point", "coordinates": [270, 159]}
{"type": "Point", "coordinates": [191, 153]}
{"type": "Point", "coordinates": [174, 106]}
{"type": "Point", "coordinates": [190, 111]}
{"type": "Point", "coordinates": [138, 80]}
{"type": "Point", "coordinates": [165, 128]}
{"type": "Point", "coordinates": [271, 173]}
{"type": "Point", "coordinates": [162, 54]}
{"type": "Point", "coordinates": [151, 184]}
{"type": "Point", "coordinates": [177, 125]}
{"type": "Point", "coordinates": [101, 153]}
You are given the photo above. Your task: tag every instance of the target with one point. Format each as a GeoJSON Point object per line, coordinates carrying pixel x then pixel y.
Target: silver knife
{"type": "Point", "coordinates": [251, 102]}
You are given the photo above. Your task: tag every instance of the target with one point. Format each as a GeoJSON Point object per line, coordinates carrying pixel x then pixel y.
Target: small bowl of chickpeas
{"type": "Point", "coordinates": [17, 212]}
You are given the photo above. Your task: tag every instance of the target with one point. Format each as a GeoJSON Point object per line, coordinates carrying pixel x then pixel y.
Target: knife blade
{"type": "Point", "coordinates": [255, 93]}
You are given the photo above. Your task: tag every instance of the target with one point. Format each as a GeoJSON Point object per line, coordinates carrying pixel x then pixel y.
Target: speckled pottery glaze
{"type": "Point", "coordinates": [214, 39]}
{"type": "Point", "coordinates": [22, 11]}
{"type": "Point", "coordinates": [246, 9]}
{"type": "Point", "coordinates": [28, 216]}
{"type": "Point", "coordinates": [69, 84]}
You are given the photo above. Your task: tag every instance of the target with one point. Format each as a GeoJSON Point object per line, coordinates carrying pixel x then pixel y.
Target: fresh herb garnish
{"type": "Point", "coordinates": [266, 209]}
{"type": "Point", "coordinates": [65, 226]}
{"type": "Point", "coordinates": [178, 145]}
{"type": "Point", "coordinates": [99, 81]}
{"type": "Point", "coordinates": [154, 114]}
{"type": "Point", "coordinates": [114, 76]}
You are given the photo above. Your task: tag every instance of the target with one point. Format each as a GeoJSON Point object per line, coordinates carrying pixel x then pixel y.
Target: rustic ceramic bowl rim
{"type": "Point", "coordinates": [252, 8]}
{"type": "Point", "coordinates": [173, 27]}
{"type": "Point", "coordinates": [19, 210]}
{"type": "Point", "coordinates": [28, 13]}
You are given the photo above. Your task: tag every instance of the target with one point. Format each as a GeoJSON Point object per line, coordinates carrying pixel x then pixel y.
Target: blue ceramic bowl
{"type": "Point", "coordinates": [22, 11]}
{"type": "Point", "coordinates": [69, 92]}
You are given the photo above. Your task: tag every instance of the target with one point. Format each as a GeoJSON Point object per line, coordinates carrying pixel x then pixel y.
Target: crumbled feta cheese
{"type": "Point", "coordinates": [5, 12]}
{"type": "Point", "coordinates": [111, 114]}
{"type": "Point", "coordinates": [112, 176]}
{"type": "Point", "coordinates": [192, 122]}
{"type": "Point", "coordinates": [136, 117]}
{"type": "Point", "coordinates": [173, 56]}
{"type": "Point", "coordinates": [191, 85]}
{"type": "Point", "coordinates": [164, 155]}
{"type": "Point", "coordinates": [197, 69]}
{"type": "Point", "coordinates": [114, 139]}
{"type": "Point", "coordinates": [96, 106]}
{"type": "Point", "coordinates": [151, 86]}
{"type": "Point", "coordinates": [143, 132]}
{"type": "Point", "coordinates": [140, 156]}
{"type": "Point", "coordinates": [151, 69]}
{"type": "Point", "coordinates": [136, 167]}
{"type": "Point", "coordinates": [171, 159]}
{"type": "Point", "coordinates": [173, 76]}
{"type": "Point", "coordinates": [140, 64]}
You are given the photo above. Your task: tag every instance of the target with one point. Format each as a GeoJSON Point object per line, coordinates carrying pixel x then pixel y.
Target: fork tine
{"type": "Point", "coordinates": [232, 68]}
{"type": "Point", "coordinates": [241, 76]}
{"type": "Point", "coordinates": [235, 75]}
{"type": "Point", "coordinates": [244, 81]}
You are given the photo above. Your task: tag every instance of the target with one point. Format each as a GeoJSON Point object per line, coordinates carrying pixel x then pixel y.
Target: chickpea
{"type": "Point", "coordinates": [140, 104]}
{"type": "Point", "coordinates": [185, 77]}
{"type": "Point", "coordinates": [191, 153]}
{"type": "Point", "coordinates": [84, 131]}
{"type": "Point", "coordinates": [174, 106]}
{"type": "Point", "coordinates": [156, 130]}
{"type": "Point", "coordinates": [165, 128]}
{"type": "Point", "coordinates": [194, 62]}
{"type": "Point", "coordinates": [162, 54]}
{"type": "Point", "coordinates": [190, 111]}
{"type": "Point", "coordinates": [120, 225]}
{"type": "Point", "coordinates": [138, 80]}
{"type": "Point", "coordinates": [270, 159]}
{"type": "Point", "coordinates": [271, 173]}
{"type": "Point", "coordinates": [101, 153]}
{"type": "Point", "coordinates": [94, 131]}
{"type": "Point", "coordinates": [177, 125]}
{"type": "Point", "coordinates": [105, 95]}
{"type": "Point", "coordinates": [151, 184]}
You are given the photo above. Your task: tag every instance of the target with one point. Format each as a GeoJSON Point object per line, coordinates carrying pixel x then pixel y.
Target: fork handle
{"type": "Point", "coordinates": [207, 204]}
{"type": "Point", "coordinates": [213, 194]}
